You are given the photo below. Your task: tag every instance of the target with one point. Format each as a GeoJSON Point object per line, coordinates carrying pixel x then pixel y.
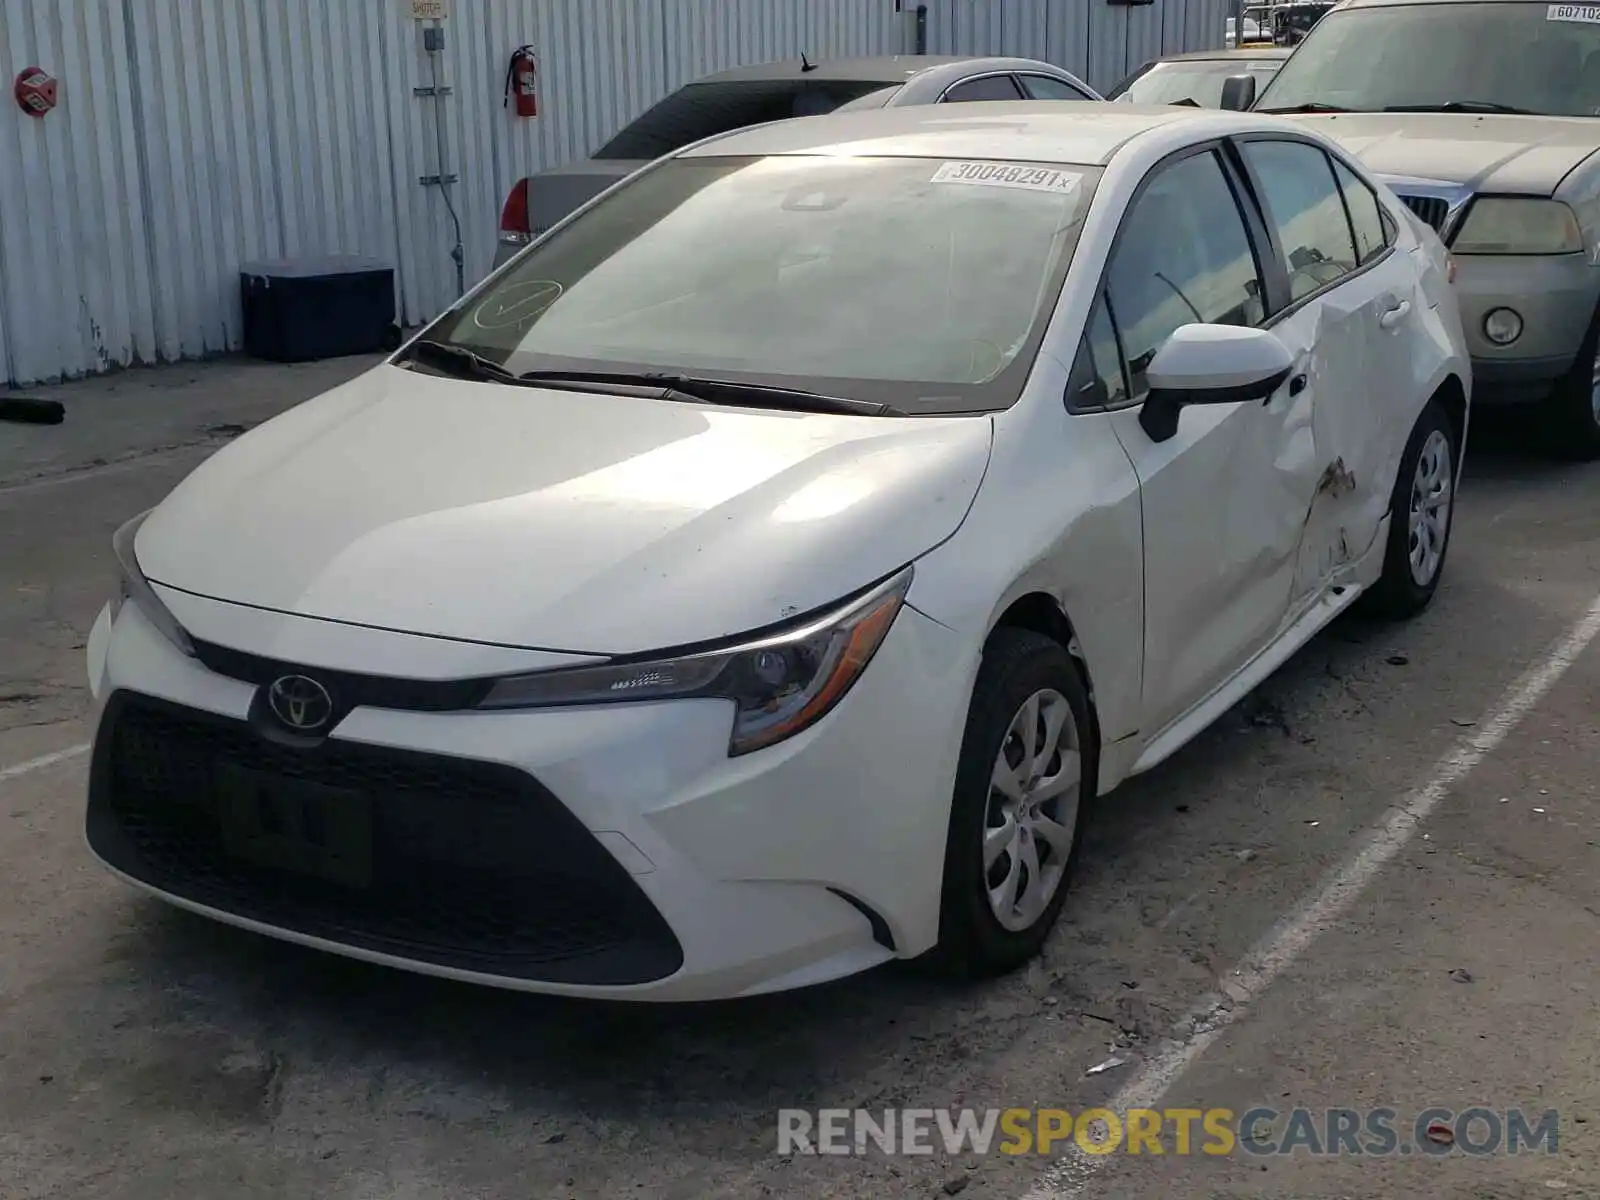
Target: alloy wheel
{"type": "Point", "coordinates": [1431, 493]}
{"type": "Point", "coordinates": [1594, 390]}
{"type": "Point", "coordinates": [1032, 815]}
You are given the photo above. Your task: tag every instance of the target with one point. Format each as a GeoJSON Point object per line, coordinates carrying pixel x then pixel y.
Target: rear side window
{"type": "Point", "coordinates": [1366, 216]}
{"type": "Point", "coordinates": [990, 87]}
{"type": "Point", "coordinates": [704, 110]}
{"type": "Point", "coordinates": [1303, 203]}
{"type": "Point", "coordinates": [1045, 87]}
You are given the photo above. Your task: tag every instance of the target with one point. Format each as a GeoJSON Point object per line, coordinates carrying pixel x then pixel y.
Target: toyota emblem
{"type": "Point", "coordinates": [302, 704]}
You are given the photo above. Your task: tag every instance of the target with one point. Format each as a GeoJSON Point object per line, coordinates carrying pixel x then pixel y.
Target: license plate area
{"type": "Point", "coordinates": [295, 826]}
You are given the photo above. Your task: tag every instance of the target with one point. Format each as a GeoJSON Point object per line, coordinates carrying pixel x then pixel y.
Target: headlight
{"type": "Point", "coordinates": [134, 586]}
{"type": "Point", "coordinates": [1515, 226]}
{"type": "Point", "coordinates": [779, 684]}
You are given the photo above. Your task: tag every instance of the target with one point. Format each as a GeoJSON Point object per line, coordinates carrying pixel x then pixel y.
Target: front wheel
{"type": "Point", "coordinates": [1421, 512]}
{"type": "Point", "coordinates": [1027, 771]}
{"type": "Point", "coordinates": [1574, 405]}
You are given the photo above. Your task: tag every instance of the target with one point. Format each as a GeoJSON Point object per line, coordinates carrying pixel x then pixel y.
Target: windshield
{"type": "Point", "coordinates": [1170, 82]}
{"type": "Point", "coordinates": [1542, 58]}
{"type": "Point", "coordinates": [920, 283]}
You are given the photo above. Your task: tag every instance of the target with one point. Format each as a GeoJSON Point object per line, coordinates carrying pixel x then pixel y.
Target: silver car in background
{"type": "Point", "coordinates": [772, 91]}
{"type": "Point", "coordinates": [1484, 116]}
{"type": "Point", "coordinates": [1196, 78]}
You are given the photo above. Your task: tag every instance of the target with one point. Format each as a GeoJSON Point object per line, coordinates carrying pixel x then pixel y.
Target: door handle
{"type": "Point", "coordinates": [1395, 315]}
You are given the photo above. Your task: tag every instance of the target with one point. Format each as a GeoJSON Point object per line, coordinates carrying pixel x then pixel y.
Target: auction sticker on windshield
{"type": "Point", "coordinates": [1585, 14]}
{"type": "Point", "coordinates": [989, 174]}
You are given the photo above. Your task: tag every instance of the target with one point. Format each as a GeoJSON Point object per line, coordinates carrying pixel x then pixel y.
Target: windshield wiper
{"type": "Point", "coordinates": [1488, 106]}
{"type": "Point", "coordinates": [1310, 106]}
{"type": "Point", "coordinates": [468, 364]}
{"type": "Point", "coordinates": [719, 391]}
{"type": "Point", "coordinates": [458, 360]}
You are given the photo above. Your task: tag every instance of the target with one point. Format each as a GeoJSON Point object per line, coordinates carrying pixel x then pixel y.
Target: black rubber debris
{"type": "Point", "coordinates": [32, 412]}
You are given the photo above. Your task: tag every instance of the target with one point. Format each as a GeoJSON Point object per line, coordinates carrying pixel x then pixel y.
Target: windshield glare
{"type": "Point", "coordinates": [1534, 56]}
{"type": "Point", "coordinates": [917, 282]}
{"type": "Point", "coordinates": [1168, 83]}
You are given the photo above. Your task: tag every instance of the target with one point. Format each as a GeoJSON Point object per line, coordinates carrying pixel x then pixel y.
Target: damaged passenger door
{"type": "Point", "coordinates": [1225, 491]}
{"type": "Point", "coordinates": [1347, 315]}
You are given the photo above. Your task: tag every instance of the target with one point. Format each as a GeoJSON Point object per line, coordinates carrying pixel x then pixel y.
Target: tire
{"type": "Point", "coordinates": [1402, 591]}
{"type": "Point", "coordinates": [1573, 409]}
{"type": "Point", "coordinates": [1019, 668]}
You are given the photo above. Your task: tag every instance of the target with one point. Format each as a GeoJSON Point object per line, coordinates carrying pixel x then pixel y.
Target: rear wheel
{"type": "Point", "coordinates": [1574, 405]}
{"type": "Point", "coordinates": [1420, 516]}
{"type": "Point", "coordinates": [1026, 773]}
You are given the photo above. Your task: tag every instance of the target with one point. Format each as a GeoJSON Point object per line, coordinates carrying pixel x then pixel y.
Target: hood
{"type": "Point", "coordinates": [558, 520]}
{"type": "Point", "coordinates": [1529, 155]}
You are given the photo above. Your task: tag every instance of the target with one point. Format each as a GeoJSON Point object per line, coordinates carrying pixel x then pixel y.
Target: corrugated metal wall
{"type": "Point", "coordinates": [195, 135]}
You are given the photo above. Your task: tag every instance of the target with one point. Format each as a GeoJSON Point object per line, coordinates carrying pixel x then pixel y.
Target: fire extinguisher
{"type": "Point", "coordinates": [522, 82]}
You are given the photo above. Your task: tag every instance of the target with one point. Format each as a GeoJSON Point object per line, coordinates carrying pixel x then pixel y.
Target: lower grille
{"type": "Point", "coordinates": [1431, 209]}
{"type": "Point", "coordinates": [447, 861]}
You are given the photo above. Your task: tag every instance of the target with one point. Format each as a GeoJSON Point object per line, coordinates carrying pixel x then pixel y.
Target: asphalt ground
{"type": "Point", "coordinates": [1371, 886]}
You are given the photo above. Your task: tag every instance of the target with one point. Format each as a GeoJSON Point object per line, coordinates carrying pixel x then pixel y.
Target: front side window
{"type": "Point", "coordinates": [1475, 57]}
{"type": "Point", "coordinates": [1303, 203]}
{"type": "Point", "coordinates": [922, 283]}
{"type": "Point", "coordinates": [1182, 256]}
{"type": "Point", "coordinates": [1097, 380]}
{"type": "Point", "coordinates": [1044, 87]}
{"type": "Point", "coordinates": [990, 87]}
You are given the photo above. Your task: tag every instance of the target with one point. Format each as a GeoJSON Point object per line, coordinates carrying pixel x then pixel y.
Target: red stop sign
{"type": "Point", "coordinates": [36, 91]}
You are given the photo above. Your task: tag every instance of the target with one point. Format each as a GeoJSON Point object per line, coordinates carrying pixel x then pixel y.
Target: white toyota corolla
{"type": "Point", "coordinates": [758, 578]}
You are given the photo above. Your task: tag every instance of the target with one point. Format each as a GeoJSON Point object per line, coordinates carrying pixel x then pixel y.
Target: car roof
{"type": "Point", "coordinates": [1088, 133]}
{"type": "Point", "coordinates": [1242, 55]}
{"type": "Point", "coordinates": [889, 68]}
{"type": "Point", "coordinates": [1392, 3]}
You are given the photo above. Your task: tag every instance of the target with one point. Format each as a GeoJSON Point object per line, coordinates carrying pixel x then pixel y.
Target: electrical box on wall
{"type": "Point", "coordinates": [1130, 3]}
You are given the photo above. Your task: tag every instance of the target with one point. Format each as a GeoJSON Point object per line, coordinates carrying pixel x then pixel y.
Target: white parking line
{"type": "Point", "coordinates": [43, 761]}
{"type": "Point", "coordinates": [1068, 1177]}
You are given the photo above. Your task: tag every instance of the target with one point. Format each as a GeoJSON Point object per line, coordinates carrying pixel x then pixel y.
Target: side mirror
{"type": "Point", "coordinates": [1211, 364]}
{"type": "Point", "coordinates": [1239, 92]}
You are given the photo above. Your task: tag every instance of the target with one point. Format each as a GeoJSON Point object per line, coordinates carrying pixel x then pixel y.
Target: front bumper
{"type": "Point", "coordinates": [619, 852]}
{"type": "Point", "coordinates": [1554, 295]}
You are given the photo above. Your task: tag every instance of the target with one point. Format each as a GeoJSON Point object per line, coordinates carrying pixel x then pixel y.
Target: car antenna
{"type": "Point", "coordinates": [806, 64]}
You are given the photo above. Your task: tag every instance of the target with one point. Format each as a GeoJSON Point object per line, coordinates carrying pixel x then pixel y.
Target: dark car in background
{"type": "Point", "coordinates": [1196, 78]}
{"type": "Point", "coordinates": [1291, 22]}
{"type": "Point", "coordinates": [765, 92]}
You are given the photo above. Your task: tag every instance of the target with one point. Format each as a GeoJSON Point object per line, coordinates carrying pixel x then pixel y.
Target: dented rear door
{"type": "Point", "coordinates": [1348, 322]}
{"type": "Point", "coordinates": [1348, 358]}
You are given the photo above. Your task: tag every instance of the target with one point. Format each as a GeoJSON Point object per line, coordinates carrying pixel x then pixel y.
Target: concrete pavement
{"type": "Point", "coordinates": [147, 1054]}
